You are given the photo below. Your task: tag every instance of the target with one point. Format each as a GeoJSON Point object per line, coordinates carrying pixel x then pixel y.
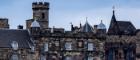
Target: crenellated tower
{"type": "Point", "coordinates": [40, 11]}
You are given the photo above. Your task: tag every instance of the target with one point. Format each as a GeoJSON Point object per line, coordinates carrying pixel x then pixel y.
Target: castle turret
{"type": "Point", "coordinates": [101, 28]}
{"type": "Point", "coordinates": [40, 10]}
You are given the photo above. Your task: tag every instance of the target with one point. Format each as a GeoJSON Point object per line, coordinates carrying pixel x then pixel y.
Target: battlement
{"type": "Point", "coordinates": [42, 5]}
{"type": "Point", "coordinates": [4, 19]}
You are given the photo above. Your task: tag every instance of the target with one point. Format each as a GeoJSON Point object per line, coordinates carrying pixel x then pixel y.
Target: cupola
{"type": "Point", "coordinates": [35, 23]}
{"type": "Point", "coordinates": [101, 26]}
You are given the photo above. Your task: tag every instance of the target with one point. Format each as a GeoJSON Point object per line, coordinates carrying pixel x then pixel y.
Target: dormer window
{"type": "Point", "coordinates": [90, 47]}
{"type": "Point", "coordinates": [46, 47]}
{"type": "Point", "coordinates": [68, 45]}
{"type": "Point", "coordinates": [14, 45]}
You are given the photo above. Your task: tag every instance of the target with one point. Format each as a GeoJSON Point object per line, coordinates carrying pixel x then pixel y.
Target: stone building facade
{"type": "Point", "coordinates": [84, 42]}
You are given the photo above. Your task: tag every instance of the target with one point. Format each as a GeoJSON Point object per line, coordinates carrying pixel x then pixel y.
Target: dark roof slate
{"type": "Point", "coordinates": [87, 28]}
{"type": "Point", "coordinates": [125, 25]}
{"type": "Point", "coordinates": [9, 35]}
{"type": "Point", "coordinates": [120, 27]}
{"type": "Point", "coordinates": [124, 28]}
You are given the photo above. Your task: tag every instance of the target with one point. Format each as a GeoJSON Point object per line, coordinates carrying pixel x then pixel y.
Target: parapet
{"type": "Point", "coordinates": [44, 5]}
{"type": "Point", "coordinates": [3, 18]}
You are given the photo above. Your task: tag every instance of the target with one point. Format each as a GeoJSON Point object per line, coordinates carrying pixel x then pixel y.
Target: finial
{"type": "Point", "coordinates": [101, 21]}
{"type": "Point", "coordinates": [86, 19]}
{"type": "Point", "coordinates": [113, 9]}
{"type": "Point", "coordinates": [80, 24]}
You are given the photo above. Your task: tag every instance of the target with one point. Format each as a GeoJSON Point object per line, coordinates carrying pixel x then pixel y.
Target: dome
{"type": "Point", "coordinates": [87, 28]}
{"type": "Point", "coordinates": [35, 24]}
{"type": "Point", "coordinates": [101, 26]}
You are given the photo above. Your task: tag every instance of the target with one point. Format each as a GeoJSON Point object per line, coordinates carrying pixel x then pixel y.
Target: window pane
{"type": "Point", "coordinates": [90, 58]}
{"type": "Point", "coordinates": [90, 46]}
{"type": "Point", "coordinates": [46, 47]}
{"type": "Point", "coordinates": [68, 46]}
{"type": "Point", "coordinates": [14, 57]}
{"type": "Point", "coordinates": [68, 58]}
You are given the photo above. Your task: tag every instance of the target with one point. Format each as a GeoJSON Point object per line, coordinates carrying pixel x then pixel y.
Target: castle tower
{"type": "Point", "coordinates": [41, 11]}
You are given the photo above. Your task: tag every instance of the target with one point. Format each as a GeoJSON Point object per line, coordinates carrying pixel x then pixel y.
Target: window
{"type": "Point", "coordinates": [68, 45]}
{"type": "Point", "coordinates": [90, 47]}
{"type": "Point", "coordinates": [68, 58]}
{"type": "Point", "coordinates": [46, 47]}
{"type": "Point", "coordinates": [43, 15]}
{"type": "Point", "coordinates": [80, 44]}
{"type": "Point", "coordinates": [90, 58]}
{"type": "Point", "coordinates": [32, 49]}
{"type": "Point", "coordinates": [43, 57]}
{"type": "Point", "coordinates": [56, 43]}
{"type": "Point", "coordinates": [110, 54]}
{"type": "Point", "coordinates": [14, 57]}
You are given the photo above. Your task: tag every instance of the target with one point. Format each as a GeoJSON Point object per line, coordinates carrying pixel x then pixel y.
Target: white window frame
{"type": "Point", "coordinates": [46, 47]}
{"type": "Point", "coordinates": [68, 58]}
{"type": "Point", "coordinates": [90, 57]}
{"type": "Point", "coordinates": [14, 57]}
{"type": "Point", "coordinates": [90, 47]}
{"type": "Point", "coordinates": [68, 46]}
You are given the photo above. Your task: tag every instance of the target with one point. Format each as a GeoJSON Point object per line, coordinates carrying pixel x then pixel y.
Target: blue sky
{"type": "Point", "coordinates": [62, 12]}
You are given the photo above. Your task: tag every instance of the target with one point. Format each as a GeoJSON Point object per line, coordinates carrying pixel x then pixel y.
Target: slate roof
{"type": "Point", "coordinates": [120, 27]}
{"type": "Point", "coordinates": [126, 25]}
{"type": "Point", "coordinates": [35, 23]}
{"type": "Point", "coordinates": [9, 35]}
{"type": "Point", "coordinates": [123, 28]}
{"type": "Point", "coordinates": [87, 28]}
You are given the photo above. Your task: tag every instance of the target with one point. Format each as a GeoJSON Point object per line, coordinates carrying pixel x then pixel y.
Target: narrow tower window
{"type": "Point", "coordinates": [43, 15]}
